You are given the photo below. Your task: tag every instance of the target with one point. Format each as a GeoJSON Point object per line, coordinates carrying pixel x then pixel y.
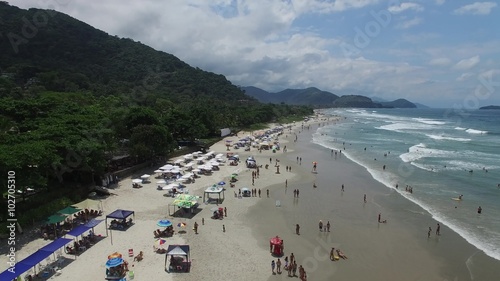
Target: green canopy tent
{"type": "Point", "coordinates": [68, 210]}
{"type": "Point", "coordinates": [55, 219]}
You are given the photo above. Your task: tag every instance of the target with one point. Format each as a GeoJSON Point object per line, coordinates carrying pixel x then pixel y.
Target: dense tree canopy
{"type": "Point", "coordinates": [72, 97]}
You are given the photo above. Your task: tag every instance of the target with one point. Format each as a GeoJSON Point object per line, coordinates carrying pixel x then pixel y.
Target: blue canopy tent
{"type": "Point", "coordinates": [120, 215]}
{"type": "Point", "coordinates": [13, 272]}
{"type": "Point", "coordinates": [34, 259]}
{"type": "Point", "coordinates": [79, 230]}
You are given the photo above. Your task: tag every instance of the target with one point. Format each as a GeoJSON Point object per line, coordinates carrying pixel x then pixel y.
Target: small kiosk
{"type": "Point", "coordinates": [276, 246]}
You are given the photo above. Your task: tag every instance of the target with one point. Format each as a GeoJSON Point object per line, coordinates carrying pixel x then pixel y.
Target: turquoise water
{"type": "Point", "coordinates": [441, 154]}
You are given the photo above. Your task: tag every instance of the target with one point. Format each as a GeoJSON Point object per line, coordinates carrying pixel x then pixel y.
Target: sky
{"type": "Point", "coordinates": [442, 53]}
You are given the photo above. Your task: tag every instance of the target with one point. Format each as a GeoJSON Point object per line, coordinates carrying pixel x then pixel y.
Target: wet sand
{"type": "Point", "coordinates": [396, 250]}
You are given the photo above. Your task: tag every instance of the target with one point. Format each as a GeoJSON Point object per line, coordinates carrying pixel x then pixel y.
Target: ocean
{"type": "Point", "coordinates": [440, 153]}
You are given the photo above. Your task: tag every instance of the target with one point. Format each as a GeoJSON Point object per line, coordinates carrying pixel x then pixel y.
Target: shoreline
{"type": "Point", "coordinates": [447, 257]}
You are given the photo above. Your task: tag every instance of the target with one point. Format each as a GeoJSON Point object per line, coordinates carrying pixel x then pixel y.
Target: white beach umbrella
{"type": "Point", "coordinates": [220, 155]}
{"type": "Point", "coordinates": [137, 181]}
{"type": "Point", "coordinates": [214, 163]}
{"type": "Point", "coordinates": [145, 176]}
{"type": "Point", "coordinates": [188, 156]}
{"type": "Point", "coordinates": [178, 161]}
{"type": "Point", "coordinates": [196, 170]}
{"type": "Point", "coordinates": [167, 167]}
{"type": "Point", "coordinates": [158, 171]}
{"type": "Point", "coordinates": [161, 182]}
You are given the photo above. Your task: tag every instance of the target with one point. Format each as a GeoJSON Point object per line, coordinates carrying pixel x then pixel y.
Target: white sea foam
{"type": "Point", "coordinates": [424, 167]}
{"type": "Point", "coordinates": [429, 121]}
{"type": "Point", "coordinates": [441, 137]}
{"type": "Point", "coordinates": [460, 128]}
{"type": "Point", "coordinates": [421, 151]}
{"type": "Point", "coordinates": [473, 131]}
{"type": "Point", "coordinates": [402, 126]}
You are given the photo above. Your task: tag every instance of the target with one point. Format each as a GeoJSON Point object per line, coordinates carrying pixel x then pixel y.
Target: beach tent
{"type": "Point", "coordinates": [120, 215]}
{"type": "Point", "coordinates": [179, 251]}
{"type": "Point", "coordinates": [215, 189]}
{"type": "Point", "coordinates": [68, 210]}
{"type": "Point", "coordinates": [88, 204]}
{"type": "Point", "coordinates": [34, 259]}
{"type": "Point", "coordinates": [56, 219]}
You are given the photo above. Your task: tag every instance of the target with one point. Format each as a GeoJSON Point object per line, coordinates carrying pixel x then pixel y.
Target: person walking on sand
{"type": "Point", "coordinates": [320, 225]}
{"type": "Point", "coordinates": [223, 228]}
{"type": "Point", "coordinates": [438, 229]}
{"type": "Point", "coordinates": [429, 232]}
{"type": "Point", "coordinates": [297, 230]}
{"type": "Point", "coordinates": [278, 266]}
{"type": "Point", "coordinates": [225, 211]}
{"type": "Point", "coordinates": [364, 198]}
{"type": "Point", "coordinates": [259, 192]}
{"type": "Point", "coordinates": [298, 194]}
{"type": "Point", "coordinates": [294, 269]}
{"type": "Point", "coordinates": [267, 193]}
{"type": "Point", "coordinates": [328, 226]}
{"type": "Point", "coordinates": [342, 187]}
{"type": "Point", "coordinates": [273, 265]}
{"type": "Point", "coordinates": [379, 216]}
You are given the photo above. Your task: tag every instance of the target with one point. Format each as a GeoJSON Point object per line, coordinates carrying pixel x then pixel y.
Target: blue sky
{"type": "Point", "coordinates": [438, 52]}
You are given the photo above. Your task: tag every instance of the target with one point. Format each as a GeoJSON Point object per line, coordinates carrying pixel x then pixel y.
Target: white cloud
{"type": "Point", "coordinates": [396, 9]}
{"type": "Point", "coordinates": [409, 23]}
{"type": "Point", "coordinates": [465, 76]}
{"type": "Point", "coordinates": [440, 2]}
{"type": "Point", "coordinates": [467, 63]}
{"type": "Point", "coordinates": [440, 62]}
{"type": "Point", "coordinates": [476, 8]}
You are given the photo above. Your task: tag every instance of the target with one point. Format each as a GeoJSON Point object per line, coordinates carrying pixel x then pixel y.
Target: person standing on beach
{"type": "Point", "coordinates": [479, 210]}
{"type": "Point", "coordinates": [328, 226]}
{"type": "Point", "coordinates": [259, 192]}
{"type": "Point", "coordinates": [300, 161]}
{"type": "Point", "coordinates": [294, 269]}
{"type": "Point", "coordinates": [298, 194]}
{"type": "Point", "coordinates": [286, 183]}
{"type": "Point", "coordinates": [225, 211]}
{"type": "Point", "coordinates": [195, 228]}
{"type": "Point", "coordinates": [429, 232]}
{"type": "Point", "coordinates": [379, 215]}
{"type": "Point", "coordinates": [268, 193]}
{"type": "Point", "coordinates": [342, 187]}
{"type": "Point", "coordinates": [273, 265]}
{"type": "Point", "coordinates": [320, 225]}
{"type": "Point", "coordinates": [278, 266]}
{"type": "Point", "coordinates": [364, 198]}
{"type": "Point", "coordinates": [438, 229]}
{"type": "Point", "coordinates": [297, 231]}
{"type": "Point", "coordinates": [223, 228]}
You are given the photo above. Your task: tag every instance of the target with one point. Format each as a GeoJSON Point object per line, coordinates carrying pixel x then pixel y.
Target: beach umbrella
{"type": "Point", "coordinates": [158, 171]}
{"type": "Point", "coordinates": [161, 182]}
{"type": "Point", "coordinates": [160, 242]}
{"type": "Point", "coordinates": [164, 223]}
{"type": "Point", "coordinates": [114, 255]}
{"type": "Point", "coordinates": [68, 210]}
{"type": "Point", "coordinates": [145, 176]}
{"type": "Point", "coordinates": [114, 262]}
{"type": "Point", "coordinates": [137, 181]}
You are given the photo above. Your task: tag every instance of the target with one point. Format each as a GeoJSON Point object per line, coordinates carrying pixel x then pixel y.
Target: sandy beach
{"type": "Point", "coordinates": [396, 250]}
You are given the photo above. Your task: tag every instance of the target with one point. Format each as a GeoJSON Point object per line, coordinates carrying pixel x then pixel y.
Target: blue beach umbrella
{"type": "Point", "coordinates": [164, 223]}
{"type": "Point", "coordinates": [114, 262]}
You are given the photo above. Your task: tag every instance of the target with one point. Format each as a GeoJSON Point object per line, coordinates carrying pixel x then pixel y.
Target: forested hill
{"type": "Point", "coordinates": [48, 49]}
{"type": "Point", "coordinates": [72, 98]}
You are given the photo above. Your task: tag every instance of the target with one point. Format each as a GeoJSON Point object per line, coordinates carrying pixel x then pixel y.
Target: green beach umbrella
{"type": "Point", "coordinates": [68, 210]}
{"type": "Point", "coordinates": [55, 219]}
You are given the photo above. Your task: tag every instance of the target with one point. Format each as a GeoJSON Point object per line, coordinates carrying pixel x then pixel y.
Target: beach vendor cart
{"type": "Point", "coordinates": [276, 246]}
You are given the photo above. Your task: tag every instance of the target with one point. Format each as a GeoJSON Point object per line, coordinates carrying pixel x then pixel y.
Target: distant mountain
{"type": "Point", "coordinates": [310, 96]}
{"type": "Point", "coordinates": [490, 107]}
{"type": "Point", "coordinates": [378, 99]}
{"type": "Point", "coordinates": [419, 105]}
{"type": "Point", "coordinates": [399, 103]}
{"type": "Point", "coordinates": [356, 101]}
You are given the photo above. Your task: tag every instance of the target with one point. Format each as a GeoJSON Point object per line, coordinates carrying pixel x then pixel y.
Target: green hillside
{"type": "Point", "coordinates": [73, 97]}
